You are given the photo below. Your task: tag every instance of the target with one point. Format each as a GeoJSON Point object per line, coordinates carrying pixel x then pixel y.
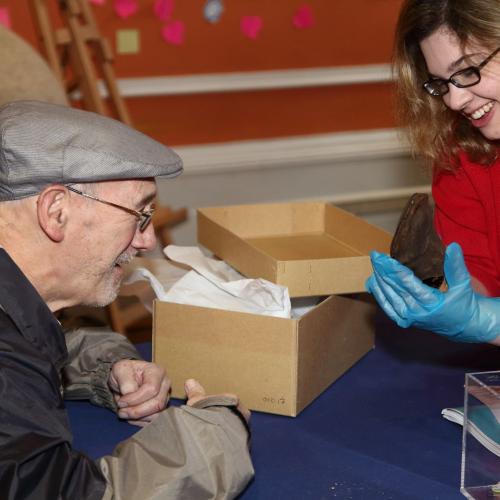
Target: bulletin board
{"type": "Point", "coordinates": [152, 38]}
{"type": "Point", "coordinates": [172, 37]}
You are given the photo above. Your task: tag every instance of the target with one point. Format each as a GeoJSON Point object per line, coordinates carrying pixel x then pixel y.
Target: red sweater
{"type": "Point", "coordinates": [468, 212]}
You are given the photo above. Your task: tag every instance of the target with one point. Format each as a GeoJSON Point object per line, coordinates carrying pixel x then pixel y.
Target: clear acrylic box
{"type": "Point", "coordinates": [480, 477]}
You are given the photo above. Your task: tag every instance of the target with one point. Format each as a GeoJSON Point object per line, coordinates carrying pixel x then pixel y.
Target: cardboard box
{"type": "Point", "coordinates": [273, 364]}
{"type": "Point", "coordinates": [312, 248]}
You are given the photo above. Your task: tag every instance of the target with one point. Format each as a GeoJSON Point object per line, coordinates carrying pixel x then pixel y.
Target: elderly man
{"type": "Point", "coordinates": [75, 205]}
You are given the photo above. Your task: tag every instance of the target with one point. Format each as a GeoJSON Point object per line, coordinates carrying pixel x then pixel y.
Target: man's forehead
{"type": "Point", "coordinates": [135, 191]}
{"type": "Point", "coordinates": [129, 185]}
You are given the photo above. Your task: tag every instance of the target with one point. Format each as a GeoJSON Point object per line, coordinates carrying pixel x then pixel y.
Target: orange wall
{"type": "Point", "coordinates": [253, 115]}
{"type": "Point", "coordinates": [346, 32]}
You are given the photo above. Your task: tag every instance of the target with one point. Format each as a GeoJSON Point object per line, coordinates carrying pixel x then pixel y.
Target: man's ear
{"type": "Point", "coordinates": [53, 210]}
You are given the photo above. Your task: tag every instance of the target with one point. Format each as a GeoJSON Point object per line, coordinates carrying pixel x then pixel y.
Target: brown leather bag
{"type": "Point", "coordinates": [416, 243]}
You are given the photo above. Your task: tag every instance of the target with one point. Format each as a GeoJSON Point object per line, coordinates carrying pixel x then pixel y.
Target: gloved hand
{"type": "Point", "coordinates": [460, 313]}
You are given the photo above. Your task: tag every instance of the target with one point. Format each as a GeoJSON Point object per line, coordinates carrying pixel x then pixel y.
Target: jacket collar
{"type": "Point", "coordinates": [22, 303]}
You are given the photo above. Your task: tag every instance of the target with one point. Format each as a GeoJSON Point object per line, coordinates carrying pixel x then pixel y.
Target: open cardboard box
{"type": "Point", "coordinates": [273, 364]}
{"type": "Point", "coordinates": [313, 248]}
{"type": "Point", "coordinates": [276, 365]}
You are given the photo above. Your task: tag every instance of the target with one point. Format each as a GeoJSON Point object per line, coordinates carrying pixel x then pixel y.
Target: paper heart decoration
{"type": "Point", "coordinates": [173, 33]}
{"type": "Point", "coordinates": [251, 26]}
{"type": "Point", "coordinates": [125, 8]}
{"type": "Point", "coordinates": [164, 9]}
{"type": "Point", "coordinates": [304, 17]}
{"type": "Point", "coordinates": [5, 17]}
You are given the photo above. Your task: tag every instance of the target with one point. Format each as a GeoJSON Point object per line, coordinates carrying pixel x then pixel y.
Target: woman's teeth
{"type": "Point", "coordinates": [482, 111]}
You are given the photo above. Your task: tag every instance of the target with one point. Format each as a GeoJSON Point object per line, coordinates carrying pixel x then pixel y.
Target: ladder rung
{"type": "Point", "coordinates": [62, 36]}
{"type": "Point", "coordinates": [72, 6]}
{"type": "Point", "coordinates": [88, 34]}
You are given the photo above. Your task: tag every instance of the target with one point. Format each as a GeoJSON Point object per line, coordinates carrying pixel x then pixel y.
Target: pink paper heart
{"type": "Point", "coordinates": [164, 9]}
{"type": "Point", "coordinates": [125, 8]}
{"type": "Point", "coordinates": [173, 33]}
{"type": "Point", "coordinates": [251, 26]}
{"type": "Point", "coordinates": [5, 17]}
{"type": "Point", "coordinates": [304, 17]}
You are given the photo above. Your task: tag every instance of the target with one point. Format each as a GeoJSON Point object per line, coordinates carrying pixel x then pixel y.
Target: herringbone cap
{"type": "Point", "coordinates": [43, 144]}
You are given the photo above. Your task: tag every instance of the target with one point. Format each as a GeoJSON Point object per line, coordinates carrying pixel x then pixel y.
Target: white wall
{"type": "Point", "coordinates": [370, 173]}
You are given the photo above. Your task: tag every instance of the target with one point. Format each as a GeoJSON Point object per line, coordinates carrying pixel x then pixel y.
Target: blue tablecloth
{"type": "Point", "coordinates": [376, 433]}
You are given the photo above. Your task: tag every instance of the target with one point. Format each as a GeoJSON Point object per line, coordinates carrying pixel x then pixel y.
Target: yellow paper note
{"type": "Point", "coordinates": [127, 42]}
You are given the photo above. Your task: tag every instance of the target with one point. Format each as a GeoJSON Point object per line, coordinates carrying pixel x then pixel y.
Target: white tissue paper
{"type": "Point", "coordinates": [213, 283]}
{"type": "Point", "coordinates": [150, 279]}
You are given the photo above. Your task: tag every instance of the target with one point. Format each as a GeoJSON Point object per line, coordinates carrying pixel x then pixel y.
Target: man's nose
{"type": "Point", "coordinates": [145, 240]}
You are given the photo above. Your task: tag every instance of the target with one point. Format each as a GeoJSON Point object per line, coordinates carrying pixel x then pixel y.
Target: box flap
{"type": "Point", "coordinates": [354, 232]}
{"type": "Point", "coordinates": [253, 221]}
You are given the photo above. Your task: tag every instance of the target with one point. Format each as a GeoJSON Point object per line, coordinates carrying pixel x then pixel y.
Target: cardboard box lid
{"type": "Point", "coordinates": [313, 248]}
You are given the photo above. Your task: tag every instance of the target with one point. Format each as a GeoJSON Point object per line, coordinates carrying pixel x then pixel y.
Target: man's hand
{"type": "Point", "coordinates": [141, 390]}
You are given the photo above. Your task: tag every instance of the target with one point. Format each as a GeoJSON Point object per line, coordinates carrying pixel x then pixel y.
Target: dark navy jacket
{"type": "Point", "coordinates": [37, 461]}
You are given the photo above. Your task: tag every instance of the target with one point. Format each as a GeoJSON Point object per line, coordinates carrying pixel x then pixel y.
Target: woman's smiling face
{"type": "Point", "coordinates": [479, 103]}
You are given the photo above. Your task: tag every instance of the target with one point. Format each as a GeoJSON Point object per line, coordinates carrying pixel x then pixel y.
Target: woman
{"type": "Point", "coordinates": [447, 64]}
{"type": "Point", "coordinates": [448, 72]}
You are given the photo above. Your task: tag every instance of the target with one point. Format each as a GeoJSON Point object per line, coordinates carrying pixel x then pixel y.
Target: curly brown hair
{"type": "Point", "coordinates": [436, 132]}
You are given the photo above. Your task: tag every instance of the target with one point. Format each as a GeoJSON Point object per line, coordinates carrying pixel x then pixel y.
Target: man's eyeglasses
{"type": "Point", "coordinates": [464, 78]}
{"type": "Point", "coordinates": [144, 216]}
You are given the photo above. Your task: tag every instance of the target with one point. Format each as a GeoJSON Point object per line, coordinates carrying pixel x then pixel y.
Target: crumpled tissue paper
{"type": "Point", "coordinates": [213, 283]}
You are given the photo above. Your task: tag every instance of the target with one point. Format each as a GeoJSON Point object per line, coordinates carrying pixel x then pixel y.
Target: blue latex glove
{"type": "Point", "coordinates": [460, 313]}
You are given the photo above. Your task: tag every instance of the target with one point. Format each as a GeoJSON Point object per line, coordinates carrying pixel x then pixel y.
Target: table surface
{"type": "Point", "coordinates": [376, 433]}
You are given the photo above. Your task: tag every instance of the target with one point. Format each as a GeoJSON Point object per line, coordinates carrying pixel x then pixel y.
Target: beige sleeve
{"type": "Point", "coordinates": [92, 352]}
{"type": "Point", "coordinates": [185, 454]}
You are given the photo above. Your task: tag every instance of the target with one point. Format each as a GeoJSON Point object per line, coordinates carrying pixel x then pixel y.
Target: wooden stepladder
{"type": "Point", "coordinates": [79, 55]}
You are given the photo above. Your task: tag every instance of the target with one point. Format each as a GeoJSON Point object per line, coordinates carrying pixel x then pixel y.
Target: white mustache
{"type": "Point", "coordinates": [124, 258]}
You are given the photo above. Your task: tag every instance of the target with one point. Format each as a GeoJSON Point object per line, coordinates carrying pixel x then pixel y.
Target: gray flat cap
{"type": "Point", "coordinates": [43, 144]}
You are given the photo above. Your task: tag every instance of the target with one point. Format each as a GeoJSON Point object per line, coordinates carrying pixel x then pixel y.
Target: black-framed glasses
{"type": "Point", "coordinates": [464, 78]}
{"type": "Point", "coordinates": [143, 217]}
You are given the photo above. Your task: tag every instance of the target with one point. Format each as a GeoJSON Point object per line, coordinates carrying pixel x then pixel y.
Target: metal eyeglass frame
{"type": "Point", "coordinates": [144, 216]}
{"type": "Point", "coordinates": [474, 69]}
